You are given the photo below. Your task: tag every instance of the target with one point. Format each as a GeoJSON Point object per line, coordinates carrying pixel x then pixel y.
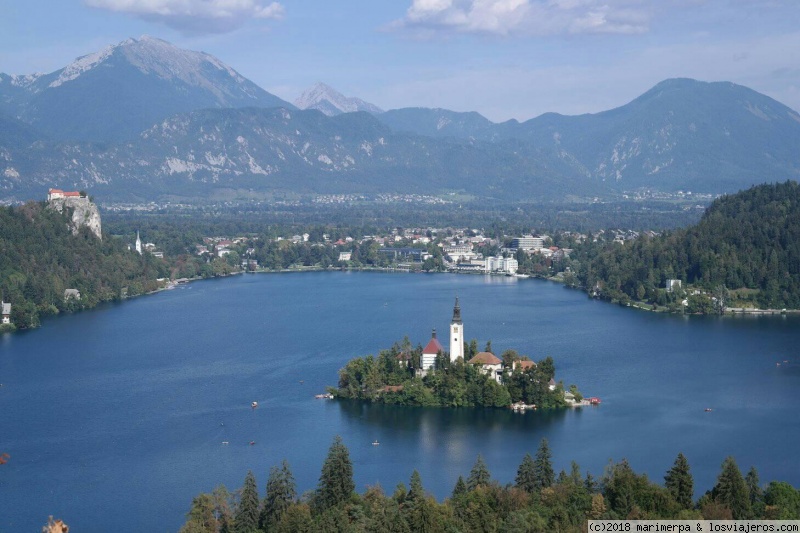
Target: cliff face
{"type": "Point", "coordinates": [84, 213]}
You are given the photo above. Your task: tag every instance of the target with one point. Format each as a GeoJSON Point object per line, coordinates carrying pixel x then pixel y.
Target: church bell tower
{"type": "Point", "coordinates": [456, 334]}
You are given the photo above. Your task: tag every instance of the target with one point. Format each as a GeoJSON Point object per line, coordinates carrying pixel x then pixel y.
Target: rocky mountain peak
{"type": "Point", "coordinates": [331, 102]}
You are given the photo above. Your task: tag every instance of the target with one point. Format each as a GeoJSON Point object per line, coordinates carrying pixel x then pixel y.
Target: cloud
{"type": "Point", "coordinates": [195, 16]}
{"type": "Point", "coordinates": [526, 17]}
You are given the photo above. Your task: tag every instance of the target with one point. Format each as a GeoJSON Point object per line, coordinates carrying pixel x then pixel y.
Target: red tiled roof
{"type": "Point", "coordinates": [393, 388]}
{"type": "Point", "coordinates": [403, 356]}
{"type": "Point", "coordinates": [525, 365]}
{"type": "Point", "coordinates": [434, 346]}
{"type": "Point", "coordinates": [485, 358]}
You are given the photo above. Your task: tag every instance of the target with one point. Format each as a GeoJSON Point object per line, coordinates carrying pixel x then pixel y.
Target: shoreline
{"type": "Point", "coordinates": [642, 306]}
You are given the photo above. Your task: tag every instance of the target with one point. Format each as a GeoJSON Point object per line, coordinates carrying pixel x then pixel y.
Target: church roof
{"type": "Point", "coordinates": [485, 358]}
{"type": "Point", "coordinates": [433, 346]}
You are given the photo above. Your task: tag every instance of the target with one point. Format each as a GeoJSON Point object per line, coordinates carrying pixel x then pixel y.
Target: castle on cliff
{"type": "Point", "coordinates": [84, 211]}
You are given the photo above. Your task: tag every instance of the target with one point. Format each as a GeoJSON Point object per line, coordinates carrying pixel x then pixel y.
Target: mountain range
{"type": "Point", "coordinates": [144, 120]}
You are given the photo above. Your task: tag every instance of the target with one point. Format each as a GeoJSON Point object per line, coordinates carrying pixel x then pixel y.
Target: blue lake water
{"type": "Point", "coordinates": [116, 416]}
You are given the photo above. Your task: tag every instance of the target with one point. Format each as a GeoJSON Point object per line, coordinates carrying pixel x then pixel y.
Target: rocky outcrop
{"type": "Point", "coordinates": [84, 212]}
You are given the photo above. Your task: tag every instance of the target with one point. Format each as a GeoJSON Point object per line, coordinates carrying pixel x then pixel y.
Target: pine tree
{"type": "Point", "coordinates": [247, 510]}
{"type": "Point", "coordinates": [731, 490]}
{"type": "Point", "coordinates": [575, 474]}
{"type": "Point", "coordinates": [598, 508]}
{"type": "Point", "coordinates": [526, 475]}
{"type": "Point", "coordinates": [680, 483]}
{"type": "Point", "coordinates": [543, 468]}
{"type": "Point", "coordinates": [416, 492]}
{"type": "Point", "coordinates": [479, 475]}
{"type": "Point", "coordinates": [336, 481]}
{"type": "Point", "coordinates": [591, 483]}
{"type": "Point", "coordinates": [753, 487]}
{"type": "Point", "coordinates": [281, 493]}
{"type": "Point", "coordinates": [222, 509]}
{"type": "Point", "coordinates": [417, 508]}
{"type": "Point", "coordinates": [200, 518]}
{"type": "Point", "coordinates": [460, 488]}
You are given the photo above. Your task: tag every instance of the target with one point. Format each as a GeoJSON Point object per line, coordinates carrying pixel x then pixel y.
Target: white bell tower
{"type": "Point", "coordinates": [456, 334]}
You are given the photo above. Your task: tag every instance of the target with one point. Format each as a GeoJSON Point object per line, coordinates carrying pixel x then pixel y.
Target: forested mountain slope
{"type": "Point", "coordinates": [749, 240]}
{"type": "Point", "coordinates": [40, 258]}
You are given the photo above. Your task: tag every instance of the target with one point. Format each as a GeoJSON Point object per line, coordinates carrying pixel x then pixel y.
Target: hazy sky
{"type": "Point", "coordinates": [503, 58]}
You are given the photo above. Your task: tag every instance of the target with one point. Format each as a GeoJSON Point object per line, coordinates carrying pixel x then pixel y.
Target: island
{"type": "Point", "coordinates": [460, 377]}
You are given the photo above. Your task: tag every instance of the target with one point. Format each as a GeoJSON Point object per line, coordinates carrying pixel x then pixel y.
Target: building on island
{"type": "Point", "coordinates": [490, 365]}
{"type": "Point", "coordinates": [429, 353]}
{"type": "Point", "coordinates": [6, 308]}
{"type": "Point", "coordinates": [456, 334]}
{"type": "Point", "coordinates": [434, 347]}
{"type": "Point", "coordinates": [523, 365]}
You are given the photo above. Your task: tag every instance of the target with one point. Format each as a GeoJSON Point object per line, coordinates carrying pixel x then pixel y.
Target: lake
{"type": "Point", "coordinates": [115, 418]}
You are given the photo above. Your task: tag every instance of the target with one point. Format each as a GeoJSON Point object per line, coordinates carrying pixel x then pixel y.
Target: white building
{"type": "Point", "coordinates": [429, 353]}
{"type": "Point", "coordinates": [490, 365]}
{"type": "Point", "coordinates": [456, 334]}
{"type": "Point", "coordinates": [138, 243]}
{"type": "Point", "coordinates": [527, 243]}
{"type": "Point", "coordinates": [673, 285]}
{"type": "Point", "coordinates": [345, 256]}
{"type": "Point", "coordinates": [507, 265]}
{"type": "Point", "coordinates": [6, 308]}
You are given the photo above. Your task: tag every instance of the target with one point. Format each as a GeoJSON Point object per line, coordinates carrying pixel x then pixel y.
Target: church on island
{"type": "Point", "coordinates": [459, 377]}
{"type": "Point", "coordinates": [490, 363]}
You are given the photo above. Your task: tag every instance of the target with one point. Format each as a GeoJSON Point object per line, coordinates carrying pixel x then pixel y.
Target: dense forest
{"type": "Point", "coordinates": [745, 251]}
{"type": "Point", "coordinates": [40, 259]}
{"type": "Point", "coordinates": [537, 500]}
{"type": "Point", "coordinates": [391, 378]}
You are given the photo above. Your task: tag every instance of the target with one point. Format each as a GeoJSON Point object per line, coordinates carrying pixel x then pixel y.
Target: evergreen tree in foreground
{"type": "Point", "coordinates": [526, 475]}
{"type": "Point", "coordinates": [731, 490]}
{"type": "Point", "coordinates": [543, 467]}
{"type": "Point", "coordinates": [247, 512]}
{"type": "Point", "coordinates": [479, 475]}
{"type": "Point", "coordinates": [336, 481]}
{"type": "Point", "coordinates": [200, 518]}
{"type": "Point", "coordinates": [281, 493]}
{"type": "Point", "coordinates": [680, 483]}
{"type": "Point", "coordinates": [460, 488]}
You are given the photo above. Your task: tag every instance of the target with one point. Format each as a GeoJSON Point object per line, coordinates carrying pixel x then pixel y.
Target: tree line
{"type": "Point", "coordinates": [538, 500]}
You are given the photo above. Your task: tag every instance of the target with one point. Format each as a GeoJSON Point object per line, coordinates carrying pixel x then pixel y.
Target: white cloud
{"type": "Point", "coordinates": [195, 16]}
{"type": "Point", "coordinates": [527, 17]}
